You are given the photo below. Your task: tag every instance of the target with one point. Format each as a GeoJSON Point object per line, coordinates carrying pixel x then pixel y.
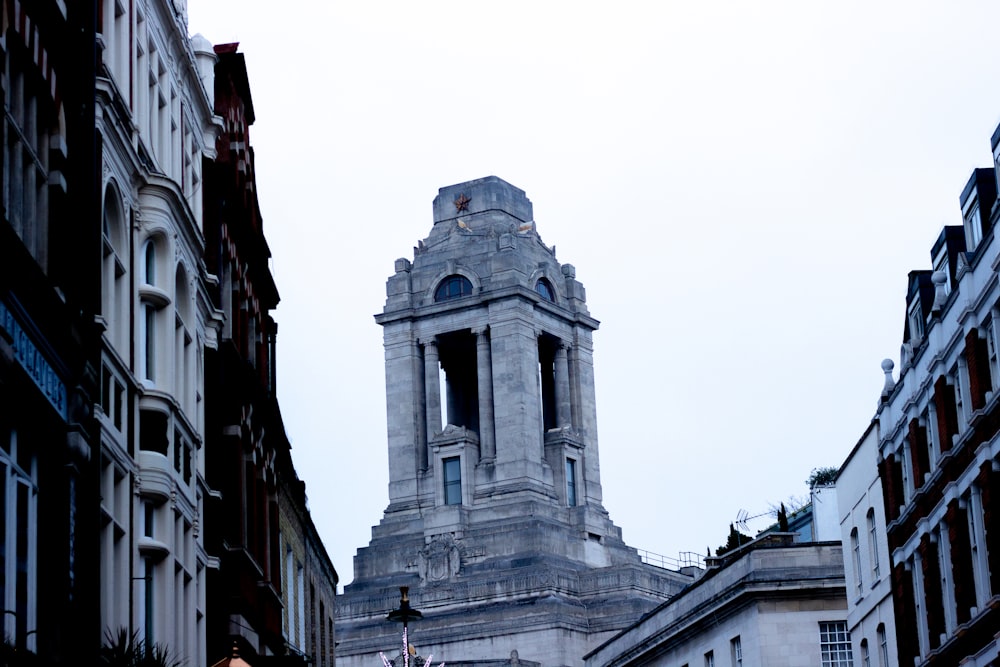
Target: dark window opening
{"type": "Point", "coordinates": [453, 287]}
{"type": "Point", "coordinates": [457, 353]}
{"type": "Point", "coordinates": [547, 379]}
{"type": "Point", "coordinates": [153, 432]}
{"type": "Point", "coordinates": [452, 469]}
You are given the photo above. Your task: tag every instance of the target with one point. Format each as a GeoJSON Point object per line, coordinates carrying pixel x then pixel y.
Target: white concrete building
{"type": "Point", "coordinates": [771, 602]}
{"type": "Point", "coordinates": [867, 570]}
{"type": "Point", "coordinates": [155, 125]}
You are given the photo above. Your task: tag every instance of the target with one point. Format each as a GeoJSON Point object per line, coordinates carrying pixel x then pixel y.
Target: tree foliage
{"type": "Point", "coordinates": [822, 476]}
{"type": "Point", "coordinates": [735, 540]}
{"type": "Point", "coordinates": [122, 649]}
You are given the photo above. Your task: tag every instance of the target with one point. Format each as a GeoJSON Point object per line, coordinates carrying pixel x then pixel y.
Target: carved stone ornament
{"type": "Point", "coordinates": [462, 203]}
{"type": "Point", "coordinates": [440, 560]}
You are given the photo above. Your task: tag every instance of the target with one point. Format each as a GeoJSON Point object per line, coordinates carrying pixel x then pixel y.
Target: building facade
{"type": "Point", "coordinates": [135, 343]}
{"type": "Point", "coordinates": [272, 590]}
{"type": "Point", "coordinates": [495, 519]}
{"type": "Point", "coordinates": [308, 578]}
{"type": "Point", "coordinates": [771, 602]}
{"type": "Point", "coordinates": [49, 349]}
{"type": "Point", "coordinates": [938, 445]}
{"type": "Point", "coordinates": [155, 126]}
{"type": "Point", "coordinates": [870, 613]}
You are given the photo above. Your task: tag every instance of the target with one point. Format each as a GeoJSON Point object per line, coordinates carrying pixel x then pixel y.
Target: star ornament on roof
{"type": "Point", "coordinates": [462, 203]}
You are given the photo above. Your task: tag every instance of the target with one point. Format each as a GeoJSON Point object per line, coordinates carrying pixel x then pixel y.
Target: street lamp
{"type": "Point", "coordinates": [404, 614]}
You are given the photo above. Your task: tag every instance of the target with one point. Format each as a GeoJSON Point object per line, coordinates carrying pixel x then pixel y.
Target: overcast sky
{"type": "Point", "coordinates": [742, 186]}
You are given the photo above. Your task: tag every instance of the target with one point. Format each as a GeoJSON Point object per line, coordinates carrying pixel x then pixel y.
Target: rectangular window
{"type": "Point", "coordinates": [835, 644]}
{"type": "Point", "coordinates": [856, 553]}
{"type": "Point", "coordinates": [452, 469]}
{"type": "Point", "coordinates": [149, 606]}
{"type": "Point", "coordinates": [916, 318]}
{"type": "Point", "coordinates": [973, 227]}
{"type": "Point", "coordinates": [710, 659]}
{"type": "Point", "coordinates": [736, 647]}
{"type": "Point", "coordinates": [873, 543]}
{"type": "Point", "coordinates": [571, 482]}
{"type": "Point", "coordinates": [18, 539]}
{"type": "Point", "coordinates": [991, 352]}
{"type": "Point", "coordinates": [149, 342]}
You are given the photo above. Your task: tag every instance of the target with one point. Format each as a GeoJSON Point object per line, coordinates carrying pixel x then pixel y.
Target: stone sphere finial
{"type": "Point", "coordinates": [940, 279]}
{"type": "Point", "coordinates": [890, 384]}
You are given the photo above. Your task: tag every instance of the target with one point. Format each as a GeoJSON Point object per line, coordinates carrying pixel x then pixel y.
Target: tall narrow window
{"type": "Point", "coordinates": [883, 646]}
{"type": "Point", "coordinates": [736, 648]}
{"type": "Point", "coordinates": [150, 263]}
{"type": "Point", "coordinates": [866, 659]}
{"type": "Point", "coordinates": [916, 318]}
{"type": "Point", "coordinates": [873, 543]}
{"type": "Point", "coordinates": [149, 608]}
{"type": "Point", "coordinates": [149, 341]}
{"type": "Point", "coordinates": [710, 659]}
{"type": "Point", "coordinates": [571, 482]}
{"type": "Point", "coordinates": [452, 469]}
{"type": "Point", "coordinates": [991, 353]}
{"type": "Point", "coordinates": [856, 558]}
{"type": "Point", "coordinates": [835, 644]}
{"type": "Point", "coordinates": [973, 226]}
{"type": "Point", "coordinates": [30, 121]}
{"type": "Point", "coordinates": [18, 539]}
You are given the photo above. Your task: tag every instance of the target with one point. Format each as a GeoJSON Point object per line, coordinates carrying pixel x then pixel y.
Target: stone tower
{"type": "Point", "coordinates": [495, 519]}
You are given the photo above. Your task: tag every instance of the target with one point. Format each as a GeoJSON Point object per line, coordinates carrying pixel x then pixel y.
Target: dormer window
{"type": "Point", "coordinates": [973, 226]}
{"type": "Point", "coordinates": [916, 321]}
{"type": "Point", "coordinates": [453, 287]}
{"type": "Point", "coordinates": [544, 288]}
{"type": "Point", "coordinates": [976, 200]}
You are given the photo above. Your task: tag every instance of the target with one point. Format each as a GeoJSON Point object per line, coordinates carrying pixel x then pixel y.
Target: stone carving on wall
{"type": "Point", "coordinates": [440, 559]}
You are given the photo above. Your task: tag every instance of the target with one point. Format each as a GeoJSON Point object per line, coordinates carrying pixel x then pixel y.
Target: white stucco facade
{"type": "Point", "coordinates": [867, 567]}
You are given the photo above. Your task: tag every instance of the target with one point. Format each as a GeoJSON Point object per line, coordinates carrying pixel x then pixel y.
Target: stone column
{"type": "Point", "coordinates": [484, 372]}
{"type": "Point", "coordinates": [432, 390]}
{"type": "Point", "coordinates": [563, 410]}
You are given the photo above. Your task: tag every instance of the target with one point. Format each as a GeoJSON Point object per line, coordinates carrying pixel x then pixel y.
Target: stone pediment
{"type": "Point", "coordinates": [454, 434]}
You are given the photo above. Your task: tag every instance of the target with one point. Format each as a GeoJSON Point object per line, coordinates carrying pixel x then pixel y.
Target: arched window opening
{"type": "Point", "coordinates": [544, 288]}
{"type": "Point", "coordinates": [453, 287]}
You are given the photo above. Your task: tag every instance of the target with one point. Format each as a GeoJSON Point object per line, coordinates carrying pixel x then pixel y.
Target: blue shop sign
{"type": "Point", "coordinates": [34, 362]}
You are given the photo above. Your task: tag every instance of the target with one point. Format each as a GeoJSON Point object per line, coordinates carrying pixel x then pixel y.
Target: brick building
{"type": "Point", "coordinates": [938, 444]}
{"type": "Point", "coordinates": [137, 493]}
{"type": "Point", "coordinates": [273, 589]}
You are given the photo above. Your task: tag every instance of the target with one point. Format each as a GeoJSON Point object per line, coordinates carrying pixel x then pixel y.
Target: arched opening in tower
{"type": "Point", "coordinates": [547, 345]}
{"type": "Point", "coordinates": [457, 352]}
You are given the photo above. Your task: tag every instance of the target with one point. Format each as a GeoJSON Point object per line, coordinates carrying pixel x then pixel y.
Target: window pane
{"type": "Point", "coordinates": [571, 482]}
{"type": "Point", "coordinates": [452, 480]}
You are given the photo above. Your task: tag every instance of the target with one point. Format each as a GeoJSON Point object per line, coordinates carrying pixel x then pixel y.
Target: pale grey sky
{"type": "Point", "coordinates": [742, 186]}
